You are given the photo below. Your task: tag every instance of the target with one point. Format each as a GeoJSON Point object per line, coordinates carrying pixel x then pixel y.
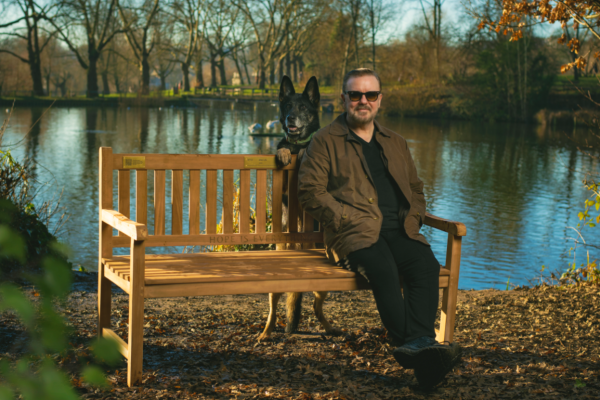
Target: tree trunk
{"type": "Point", "coordinates": [345, 62]}
{"type": "Point", "coordinates": [163, 81]}
{"type": "Point", "coordinates": [145, 75]}
{"type": "Point", "coordinates": [262, 78]}
{"type": "Point", "coordinates": [35, 69]}
{"type": "Point", "coordinates": [222, 72]}
{"type": "Point", "coordinates": [288, 71]}
{"type": "Point", "coordinates": [117, 82]}
{"type": "Point", "coordinates": [281, 72]}
{"type": "Point", "coordinates": [48, 85]}
{"type": "Point", "coordinates": [272, 72]}
{"type": "Point", "coordinates": [213, 70]}
{"type": "Point", "coordinates": [185, 71]}
{"type": "Point", "coordinates": [92, 77]}
{"type": "Point", "coordinates": [199, 75]}
{"type": "Point", "coordinates": [295, 65]}
{"type": "Point", "coordinates": [239, 70]}
{"type": "Point", "coordinates": [105, 87]}
{"type": "Point", "coordinates": [63, 89]}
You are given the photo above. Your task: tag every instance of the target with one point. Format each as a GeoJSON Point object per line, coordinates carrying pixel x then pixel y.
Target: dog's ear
{"type": "Point", "coordinates": [286, 88]}
{"type": "Point", "coordinates": [312, 91]}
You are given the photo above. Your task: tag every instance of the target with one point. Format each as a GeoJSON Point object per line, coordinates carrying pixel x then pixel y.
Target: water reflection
{"type": "Point", "coordinates": [515, 186]}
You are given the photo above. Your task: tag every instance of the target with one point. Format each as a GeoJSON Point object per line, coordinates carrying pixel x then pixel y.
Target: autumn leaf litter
{"type": "Point", "coordinates": [540, 342]}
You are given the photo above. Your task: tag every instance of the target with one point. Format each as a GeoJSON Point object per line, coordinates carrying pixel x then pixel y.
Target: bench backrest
{"type": "Point", "coordinates": [246, 196]}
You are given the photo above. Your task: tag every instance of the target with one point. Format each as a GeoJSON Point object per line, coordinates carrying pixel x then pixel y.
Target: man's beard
{"type": "Point", "coordinates": [355, 119]}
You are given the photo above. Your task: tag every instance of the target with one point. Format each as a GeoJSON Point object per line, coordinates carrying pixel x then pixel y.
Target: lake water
{"type": "Point", "coordinates": [516, 187]}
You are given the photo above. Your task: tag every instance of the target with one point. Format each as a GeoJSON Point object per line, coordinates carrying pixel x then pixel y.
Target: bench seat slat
{"type": "Point", "coordinates": [234, 267]}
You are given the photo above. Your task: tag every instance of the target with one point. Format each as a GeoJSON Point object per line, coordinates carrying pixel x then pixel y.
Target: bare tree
{"type": "Point", "coordinates": [302, 31]}
{"type": "Point", "coordinates": [139, 23]}
{"type": "Point", "coordinates": [378, 14]}
{"type": "Point", "coordinates": [29, 25]}
{"type": "Point", "coordinates": [432, 14]}
{"type": "Point", "coordinates": [188, 14]}
{"type": "Point", "coordinates": [98, 20]}
{"type": "Point", "coordinates": [354, 9]}
{"type": "Point", "coordinates": [270, 21]}
{"type": "Point", "coordinates": [221, 20]}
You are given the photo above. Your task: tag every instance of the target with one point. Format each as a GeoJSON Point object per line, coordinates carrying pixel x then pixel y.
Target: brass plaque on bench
{"type": "Point", "coordinates": [258, 162]}
{"type": "Point", "coordinates": [134, 162]}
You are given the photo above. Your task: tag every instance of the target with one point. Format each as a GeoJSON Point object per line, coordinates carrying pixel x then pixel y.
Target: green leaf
{"type": "Point", "coordinates": [591, 224]}
{"type": "Point", "coordinates": [55, 331]}
{"type": "Point", "coordinates": [14, 299]}
{"type": "Point", "coordinates": [58, 276]}
{"type": "Point", "coordinates": [6, 393]}
{"type": "Point", "coordinates": [56, 385]}
{"type": "Point", "coordinates": [579, 384]}
{"type": "Point", "coordinates": [107, 350]}
{"type": "Point", "coordinates": [11, 244]}
{"type": "Point", "coordinates": [94, 375]}
{"type": "Point", "coordinates": [62, 249]}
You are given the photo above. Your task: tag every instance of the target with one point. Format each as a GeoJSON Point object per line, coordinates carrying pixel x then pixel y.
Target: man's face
{"type": "Point", "coordinates": [363, 111]}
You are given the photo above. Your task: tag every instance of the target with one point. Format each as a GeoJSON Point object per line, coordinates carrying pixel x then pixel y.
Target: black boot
{"type": "Point", "coordinates": [430, 359]}
{"type": "Point", "coordinates": [435, 362]}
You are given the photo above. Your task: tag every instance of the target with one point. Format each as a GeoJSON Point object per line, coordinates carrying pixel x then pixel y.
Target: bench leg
{"type": "Point", "coordinates": [104, 285]}
{"type": "Point", "coordinates": [104, 302]}
{"type": "Point", "coordinates": [136, 315]}
{"type": "Point", "coordinates": [450, 294]}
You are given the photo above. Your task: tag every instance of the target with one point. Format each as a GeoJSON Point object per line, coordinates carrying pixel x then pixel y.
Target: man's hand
{"type": "Point", "coordinates": [284, 157]}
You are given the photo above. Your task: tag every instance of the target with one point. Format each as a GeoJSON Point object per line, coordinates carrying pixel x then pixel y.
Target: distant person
{"type": "Point", "coordinates": [359, 180]}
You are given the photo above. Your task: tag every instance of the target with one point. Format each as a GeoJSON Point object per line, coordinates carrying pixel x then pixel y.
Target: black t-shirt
{"type": "Point", "coordinates": [390, 197]}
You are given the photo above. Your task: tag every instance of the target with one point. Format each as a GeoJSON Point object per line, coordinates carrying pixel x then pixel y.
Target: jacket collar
{"type": "Point", "coordinates": [339, 127]}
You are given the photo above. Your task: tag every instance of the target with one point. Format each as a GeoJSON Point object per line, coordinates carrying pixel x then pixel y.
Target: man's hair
{"type": "Point", "coordinates": [359, 72]}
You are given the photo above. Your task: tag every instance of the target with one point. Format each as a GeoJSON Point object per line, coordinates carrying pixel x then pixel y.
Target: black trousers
{"type": "Point", "coordinates": [410, 315]}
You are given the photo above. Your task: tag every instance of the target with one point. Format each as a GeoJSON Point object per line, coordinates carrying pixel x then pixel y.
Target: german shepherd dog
{"type": "Point", "coordinates": [299, 116]}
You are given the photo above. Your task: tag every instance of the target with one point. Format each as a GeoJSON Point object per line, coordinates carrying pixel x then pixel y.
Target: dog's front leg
{"type": "Point", "coordinates": [318, 307]}
{"type": "Point", "coordinates": [272, 320]}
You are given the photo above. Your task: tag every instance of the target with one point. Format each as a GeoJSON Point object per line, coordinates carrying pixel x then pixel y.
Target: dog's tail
{"type": "Point", "coordinates": [294, 311]}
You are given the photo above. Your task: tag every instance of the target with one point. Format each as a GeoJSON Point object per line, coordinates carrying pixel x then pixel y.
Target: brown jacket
{"type": "Point", "coordinates": [336, 188]}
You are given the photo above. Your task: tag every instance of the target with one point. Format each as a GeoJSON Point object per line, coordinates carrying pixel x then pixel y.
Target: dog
{"type": "Point", "coordinates": [299, 117]}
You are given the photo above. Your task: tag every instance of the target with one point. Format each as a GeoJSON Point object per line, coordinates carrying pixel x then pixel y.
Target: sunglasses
{"type": "Point", "coordinates": [356, 96]}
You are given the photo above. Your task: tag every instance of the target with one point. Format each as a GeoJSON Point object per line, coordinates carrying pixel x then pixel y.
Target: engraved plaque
{"type": "Point", "coordinates": [134, 162]}
{"type": "Point", "coordinates": [258, 162]}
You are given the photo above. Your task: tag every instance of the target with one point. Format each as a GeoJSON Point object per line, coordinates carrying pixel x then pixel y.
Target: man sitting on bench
{"type": "Point", "coordinates": [359, 180]}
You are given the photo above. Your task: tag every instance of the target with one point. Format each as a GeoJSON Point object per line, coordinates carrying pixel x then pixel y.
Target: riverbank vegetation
{"type": "Point", "coordinates": [441, 64]}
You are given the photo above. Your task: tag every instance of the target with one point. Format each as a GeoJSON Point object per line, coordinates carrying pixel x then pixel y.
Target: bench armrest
{"type": "Point", "coordinates": [453, 227]}
{"type": "Point", "coordinates": [133, 229]}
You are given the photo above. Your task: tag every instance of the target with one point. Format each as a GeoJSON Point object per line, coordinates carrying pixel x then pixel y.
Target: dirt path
{"type": "Point", "coordinates": [520, 344]}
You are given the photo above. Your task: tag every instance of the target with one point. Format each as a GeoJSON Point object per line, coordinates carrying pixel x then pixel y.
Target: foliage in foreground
{"type": "Point", "coordinates": [35, 376]}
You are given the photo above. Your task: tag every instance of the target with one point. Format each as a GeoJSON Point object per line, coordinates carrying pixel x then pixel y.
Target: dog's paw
{"type": "Point", "coordinates": [284, 157]}
{"type": "Point", "coordinates": [265, 337]}
{"type": "Point", "coordinates": [334, 331]}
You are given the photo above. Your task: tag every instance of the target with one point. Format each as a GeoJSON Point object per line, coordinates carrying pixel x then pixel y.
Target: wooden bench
{"type": "Point", "coordinates": [144, 275]}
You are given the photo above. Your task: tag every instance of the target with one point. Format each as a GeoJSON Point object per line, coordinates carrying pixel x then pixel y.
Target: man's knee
{"type": "Point", "coordinates": [373, 269]}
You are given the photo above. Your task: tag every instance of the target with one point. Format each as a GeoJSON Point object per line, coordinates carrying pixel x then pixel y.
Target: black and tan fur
{"type": "Point", "coordinates": [299, 116]}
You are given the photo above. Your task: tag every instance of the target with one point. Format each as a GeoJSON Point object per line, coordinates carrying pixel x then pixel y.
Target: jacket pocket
{"type": "Point", "coordinates": [329, 220]}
